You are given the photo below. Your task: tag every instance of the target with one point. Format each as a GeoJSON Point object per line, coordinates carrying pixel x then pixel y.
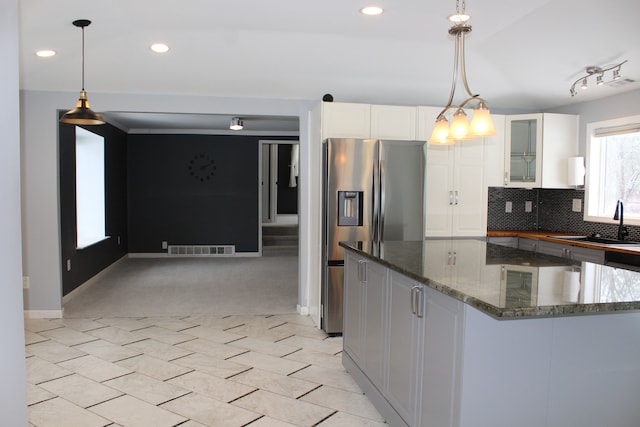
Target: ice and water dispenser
{"type": "Point", "coordinates": [350, 208]}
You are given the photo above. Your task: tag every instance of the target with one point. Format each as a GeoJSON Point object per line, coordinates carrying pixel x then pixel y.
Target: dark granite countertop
{"type": "Point", "coordinates": [508, 283]}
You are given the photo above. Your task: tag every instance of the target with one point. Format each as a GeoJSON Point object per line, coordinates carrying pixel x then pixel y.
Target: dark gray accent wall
{"type": "Point", "coordinates": [193, 190]}
{"type": "Point", "coordinates": [552, 211]}
{"type": "Point", "coordinates": [87, 262]}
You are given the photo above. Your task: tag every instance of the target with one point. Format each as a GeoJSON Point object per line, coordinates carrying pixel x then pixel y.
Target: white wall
{"type": "Point", "coordinates": [13, 394]}
{"type": "Point", "coordinates": [41, 246]}
{"type": "Point", "coordinates": [612, 107]}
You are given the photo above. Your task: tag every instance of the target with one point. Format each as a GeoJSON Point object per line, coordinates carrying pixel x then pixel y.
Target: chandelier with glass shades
{"type": "Point", "coordinates": [481, 124]}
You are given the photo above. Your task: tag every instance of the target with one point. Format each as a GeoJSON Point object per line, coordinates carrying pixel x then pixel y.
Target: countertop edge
{"type": "Point", "coordinates": [551, 311]}
{"type": "Point", "coordinates": [547, 236]}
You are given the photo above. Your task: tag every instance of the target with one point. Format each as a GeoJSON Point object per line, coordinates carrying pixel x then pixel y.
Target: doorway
{"type": "Point", "coordinates": [279, 196]}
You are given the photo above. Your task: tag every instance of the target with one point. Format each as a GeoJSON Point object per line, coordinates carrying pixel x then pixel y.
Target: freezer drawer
{"type": "Point", "coordinates": [332, 299]}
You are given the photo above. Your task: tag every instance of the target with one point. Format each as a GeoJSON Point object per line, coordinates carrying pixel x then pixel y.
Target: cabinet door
{"type": "Point", "coordinates": [346, 120]}
{"type": "Point", "coordinates": [393, 122]}
{"type": "Point", "coordinates": [439, 191]}
{"type": "Point", "coordinates": [559, 142]}
{"type": "Point", "coordinates": [352, 327]}
{"type": "Point", "coordinates": [523, 150]}
{"type": "Point", "coordinates": [470, 190]}
{"type": "Point", "coordinates": [373, 323]}
{"type": "Point", "coordinates": [441, 364]}
{"type": "Point", "coordinates": [550, 248]}
{"type": "Point", "coordinates": [404, 347]}
{"type": "Point", "coordinates": [587, 254]}
{"type": "Point", "coordinates": [494, 154]}
{"type": "Point", "coordinates": [528, 244]}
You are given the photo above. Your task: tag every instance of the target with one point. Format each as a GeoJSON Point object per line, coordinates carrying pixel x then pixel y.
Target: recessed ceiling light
{"type": "Point", "coordinates": [160, 48]}
{"type": "Point", "coordinates": [372, 10]}
{"type": "Point", "coordinates": [45, 53]}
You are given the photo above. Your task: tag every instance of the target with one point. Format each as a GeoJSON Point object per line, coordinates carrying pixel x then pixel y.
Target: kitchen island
{"type": "Point", "coordinates": [466, 333]}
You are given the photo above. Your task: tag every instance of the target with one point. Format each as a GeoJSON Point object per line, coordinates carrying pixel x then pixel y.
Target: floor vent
{"type": "Point", "coordinates": [201, 250]}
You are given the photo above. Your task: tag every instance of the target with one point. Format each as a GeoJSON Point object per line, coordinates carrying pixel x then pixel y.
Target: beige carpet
{"type": "Point", "coordinates": [138, 287]}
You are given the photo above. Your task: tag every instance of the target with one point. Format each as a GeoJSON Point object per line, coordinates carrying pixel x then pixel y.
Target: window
{"type": "Point", "coordinates": [613, 170]}
{"type": "Point", "coordinates": [90, 193]}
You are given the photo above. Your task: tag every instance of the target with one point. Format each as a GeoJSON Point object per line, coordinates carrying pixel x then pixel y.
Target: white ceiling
{"type": "Point", "coordinates": [521, 55]}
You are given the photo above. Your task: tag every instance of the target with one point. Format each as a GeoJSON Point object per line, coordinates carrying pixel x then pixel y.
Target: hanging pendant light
{"type": "Point", "coordinates": [481, 124]}
{"type": "Point", "coordinates": [82, 114]}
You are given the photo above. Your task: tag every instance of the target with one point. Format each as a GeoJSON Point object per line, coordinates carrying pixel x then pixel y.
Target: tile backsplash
{"type": "Point", "coordinates": [551, 210]}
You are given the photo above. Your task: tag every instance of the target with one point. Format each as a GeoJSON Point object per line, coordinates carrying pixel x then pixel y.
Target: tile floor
{"type": "Point", "coordinates": [190, 371]}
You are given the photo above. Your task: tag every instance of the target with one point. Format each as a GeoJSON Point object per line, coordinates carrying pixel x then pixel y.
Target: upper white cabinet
{"type": "Point", "coordinates": [537, 147]}
{"type": "Point", "coordinates": [350, 120]}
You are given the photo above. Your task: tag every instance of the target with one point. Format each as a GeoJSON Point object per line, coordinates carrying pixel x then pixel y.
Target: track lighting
{"type": "Point", "coordinates": [236, 124]}
{"type": "Point", "coordinates": [599, 71]}
{"type": "Point", "coordinates": [460, 129]}
{"type": "Point", "coordinates": [82, 114]}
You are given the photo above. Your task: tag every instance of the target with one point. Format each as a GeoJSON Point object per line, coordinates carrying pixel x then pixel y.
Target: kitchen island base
{"type": "Point", "coordinates": [463, 368]}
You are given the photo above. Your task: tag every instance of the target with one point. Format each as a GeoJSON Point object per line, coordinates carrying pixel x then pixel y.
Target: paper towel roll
{"type": "Point", "coordinates": [571, 286]}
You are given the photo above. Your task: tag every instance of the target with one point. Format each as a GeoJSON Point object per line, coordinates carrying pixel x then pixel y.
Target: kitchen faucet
{"type": "Point", "coordinates": [619, 214]}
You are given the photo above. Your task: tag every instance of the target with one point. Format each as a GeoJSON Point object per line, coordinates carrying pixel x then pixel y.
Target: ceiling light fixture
{"type": "Point", "coordinates": [599, 71]}
{"type": "Point", "coordinates": [236, 124]}
{"type": "Point", "coordinates": [45, 53]}
{"type": "Point", "coordinates": [371, 10]}
{"type": "Point", "coordinates": [481, 125]}
{"type": "Point", "coordinates": [82, 114]}
{"type": "Point", "coordinates": [159, 48]}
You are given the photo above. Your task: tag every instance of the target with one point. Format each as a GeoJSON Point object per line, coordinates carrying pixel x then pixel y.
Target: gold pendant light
{"type": "Point", "coordinates": [82, 114]}
{"type": "Point", "coordinates": [481, 124]}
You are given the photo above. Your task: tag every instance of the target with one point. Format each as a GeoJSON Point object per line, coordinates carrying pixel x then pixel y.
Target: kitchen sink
{"type": "Point", "coordinates": [595, 239]}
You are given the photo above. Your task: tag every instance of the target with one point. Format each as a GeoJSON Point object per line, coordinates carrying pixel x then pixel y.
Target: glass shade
{"type": "Point", "coordinates": [460, 126]}
{"type": "Point", "coordinates": [440, 134]}
{"type": "Point", "coordinates": [481, 124]}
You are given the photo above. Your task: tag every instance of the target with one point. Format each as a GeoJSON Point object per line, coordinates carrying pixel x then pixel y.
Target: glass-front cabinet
{"type": "Point", "coordinates": [523, 162]}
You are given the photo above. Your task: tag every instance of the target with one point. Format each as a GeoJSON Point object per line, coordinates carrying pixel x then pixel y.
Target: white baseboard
{"type": "Point", "coordinates": [302, 310]}
{"type": "Point", "coordinates": [43, 314]}
{"type": "Point", "coordinates": [86, 285]}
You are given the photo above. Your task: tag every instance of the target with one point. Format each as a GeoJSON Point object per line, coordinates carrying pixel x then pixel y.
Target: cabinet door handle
{"type": "Point", "coordinates": [414, 299]}
{"type": "Point", "coordinates": [419, 302]}
{"type": "Point", "coordinates": [455, 257]}
{"type": "Point", "coordinates": [450, 198]}
{"type": "Point", "coordinates": [364, 272]}
{"type": "Point", "coordinates": [456, 198]}
{"type": "Point", "coordinates": [449, 257]}
{"type": "Point", "coordinates": [506, 176]}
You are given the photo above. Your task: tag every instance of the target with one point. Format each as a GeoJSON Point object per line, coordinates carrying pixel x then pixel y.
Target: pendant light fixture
{"type": "Point", "coordinates": [481, 125]}
{"type": "Point", "coordinates": [82, 114]}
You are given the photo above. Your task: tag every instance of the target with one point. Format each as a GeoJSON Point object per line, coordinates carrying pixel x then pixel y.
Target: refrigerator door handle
{"type": "Point", "coordinates": [376, 203]}
{"type": "Point", "coordinates": [382, 199]}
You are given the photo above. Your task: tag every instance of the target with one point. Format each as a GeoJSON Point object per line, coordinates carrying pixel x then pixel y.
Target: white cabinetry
{"type": "Point", "coordinates": [457, 180]}
{"type": "Point", "coordinates": [351, 120]}
{"type": "Point", "coordinates": [456, 191]}
{"type": "Point", "coordinates": [537, 147]}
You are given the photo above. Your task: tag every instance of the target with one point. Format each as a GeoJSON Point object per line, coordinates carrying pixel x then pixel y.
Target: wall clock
{"type": "Point", "coordinates": [202, 167]}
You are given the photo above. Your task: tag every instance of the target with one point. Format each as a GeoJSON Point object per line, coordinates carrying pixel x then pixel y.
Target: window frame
{"type": "Point", "coordinates": [594, 166]}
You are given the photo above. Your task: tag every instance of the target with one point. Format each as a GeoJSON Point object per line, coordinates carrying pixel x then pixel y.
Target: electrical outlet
{"type": "Point", "coordinates": [577, 205]}
{"type": "Point", "coordinates": [25, 282]}
{"type": "Point", "coordinates": [68, 265]}
{"type": "Point", "coordinates": [164, 244]}
{"type": "Point", "coordinates": [508, 207]}
{"type": "Point", "coordinates": [528, 206]}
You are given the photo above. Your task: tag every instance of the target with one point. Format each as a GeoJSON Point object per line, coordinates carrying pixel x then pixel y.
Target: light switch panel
{"type": "Point", "coordinates": [508, 207]}
{"type": "Point", "coordinates": [577, 205]}
{"type": "Point", "coordinates": [528, 206]}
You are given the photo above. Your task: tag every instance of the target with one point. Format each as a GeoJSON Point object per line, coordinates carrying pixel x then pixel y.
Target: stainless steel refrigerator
{"type": "Point", "coordinates": [373, 191]}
